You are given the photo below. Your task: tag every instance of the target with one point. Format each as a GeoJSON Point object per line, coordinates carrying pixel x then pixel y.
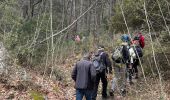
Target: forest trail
{"type": "Point", "coordinates": [140, 90]}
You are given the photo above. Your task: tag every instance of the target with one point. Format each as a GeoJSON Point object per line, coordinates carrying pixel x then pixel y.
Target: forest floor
{"type": "Point", "coordinates": [39, 88]}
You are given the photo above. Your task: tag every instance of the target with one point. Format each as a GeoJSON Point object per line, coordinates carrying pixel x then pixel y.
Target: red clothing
{"type": "Point", "coordinates": [142, 41]}
{"type": "Point", "coordinates": [136, 42]}
{"type": "Point", "coordinates": [77, 38]}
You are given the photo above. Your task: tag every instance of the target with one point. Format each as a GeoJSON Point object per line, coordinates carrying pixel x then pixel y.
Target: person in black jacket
{"type": "Point", "coordinates": [102, 74]}
{"type": "Point", "coordinates": [84, 75]}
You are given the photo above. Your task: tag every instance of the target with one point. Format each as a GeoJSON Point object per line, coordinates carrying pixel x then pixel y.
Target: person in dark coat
{"type": "Point", "coordinates": [102, 75]}
{"type": "Point", "coordinates": [84, 75]}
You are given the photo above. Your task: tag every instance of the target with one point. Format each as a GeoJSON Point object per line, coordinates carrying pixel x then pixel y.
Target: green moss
{"type": "Point", "coordinates": [36, 95]}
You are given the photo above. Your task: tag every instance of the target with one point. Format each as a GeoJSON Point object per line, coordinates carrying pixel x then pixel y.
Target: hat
{"type": "Point", "coordinates": [125, 38]}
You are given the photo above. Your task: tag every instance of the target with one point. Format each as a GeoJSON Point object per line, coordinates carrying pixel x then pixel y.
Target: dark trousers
{"type": "Point", "coordinates": [135, 66]}
{"type": "Point", "coordinates": [83, 92]}
{"type": "Point", "coordinates": [128, 72]}
{"type": "Point", "coordinates": [103, 78]}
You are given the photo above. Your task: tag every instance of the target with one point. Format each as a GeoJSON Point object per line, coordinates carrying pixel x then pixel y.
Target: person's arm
{"type": "Point", "coordinates": [74, 73]}
{"type": "Point", "coordinates": [92, 72]}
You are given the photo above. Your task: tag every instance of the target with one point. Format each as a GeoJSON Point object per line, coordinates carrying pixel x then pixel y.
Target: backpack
{"type": "Point", "coordinates": [141, 41]}
{"type": "Point", "coordinates": [117, 54]}
{"type": "Point", "coordinates": [138, 51]}
{"type": "Point", "coordinates": [98, 63]}
{"type": "Point", "coordinates": [125, 54]}
{"type": "Point", "coordinates": [121, 54]}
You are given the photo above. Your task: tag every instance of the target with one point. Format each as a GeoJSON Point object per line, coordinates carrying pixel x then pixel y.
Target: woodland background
{"type": "Point", "coordinates": [37, 39]}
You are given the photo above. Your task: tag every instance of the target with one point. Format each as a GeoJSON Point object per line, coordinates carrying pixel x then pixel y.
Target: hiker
{"type": "Point", "coordinates": [77, 38]}
{"type": "Point", "coordinates": [122, 67]}
{"type": "Point", "coordinates": [140, 39]}
{"type": "Point", "coordinates": [103, 66]}
{"type": "Point", "coordinates": [126, 53]}
{"type": "Point", "coordinates": [139, 53]}
{"type": "Point", "coordinates": [84, 75]}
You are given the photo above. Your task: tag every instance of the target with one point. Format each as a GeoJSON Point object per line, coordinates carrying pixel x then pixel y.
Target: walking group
{"type": "Point", "coordinates": [94, 67]}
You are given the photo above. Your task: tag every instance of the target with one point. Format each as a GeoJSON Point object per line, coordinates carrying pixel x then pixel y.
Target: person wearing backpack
{"type": "Point", "coordinates": [126, 56]}
{"type": "Point", "coordinates": [120, 58]}
{"type": "Point", "coordinates": [140, 39]}
{"type": "Point", "coordinates": [139, 54]}
{"type": "Point", "coordinates": [84, 75]}
{"type": "Point", "coordinates": [102, 69]}
{"type": "Point", "coordinates": [127, 61]}
{"type": "Point", "coordinates": [77, 38]}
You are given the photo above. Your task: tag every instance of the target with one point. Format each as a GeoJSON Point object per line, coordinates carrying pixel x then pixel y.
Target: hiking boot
{"type": "Point", "coordinates": [123, 92]}
{"type": "Point", "coordinates": [104, 96]}
{"type": "Point", "coordinates": [136, 76]}
{"type": "Point", "coordinates": [111, 93]}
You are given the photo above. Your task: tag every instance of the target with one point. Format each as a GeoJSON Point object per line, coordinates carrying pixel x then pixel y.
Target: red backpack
{"type": "Point", "coordinates": [142, 41]}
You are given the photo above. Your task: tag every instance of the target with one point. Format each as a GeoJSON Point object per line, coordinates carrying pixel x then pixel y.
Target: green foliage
{"type": "Point", "coordinates": [135, 15]}
{"type": "Point", "coordinates": [20, 36]}
{"type": "Point", "coordinates": [132, 11]}
{"type": "Point", "coordinates": [9, 18]}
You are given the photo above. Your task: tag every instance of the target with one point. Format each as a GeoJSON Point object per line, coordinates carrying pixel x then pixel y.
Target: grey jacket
{"type": "Point", "coordinates": [84, 74]}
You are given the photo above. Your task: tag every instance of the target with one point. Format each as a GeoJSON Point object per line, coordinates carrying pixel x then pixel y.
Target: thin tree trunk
{"type": "Point", "coordinates": [89, 19]}
{"type": "Point", "coordinates": [52, 38]}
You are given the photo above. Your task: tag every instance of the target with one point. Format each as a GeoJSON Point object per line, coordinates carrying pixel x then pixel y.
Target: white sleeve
{"type": "Point", "coordinates": [131, 53]}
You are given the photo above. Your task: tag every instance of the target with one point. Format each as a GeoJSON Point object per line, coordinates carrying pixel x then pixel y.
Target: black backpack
{"type": "Point", "coordinates": [98, 63]}
{"type": "Point", "coordinates": [138, 51]}
{"type": "Point", "coordinates": [125, 54]}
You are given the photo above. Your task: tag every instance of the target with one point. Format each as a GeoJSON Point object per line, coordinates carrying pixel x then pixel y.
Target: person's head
{"type": "Point", "coordinates": [136, 38]}
{"type": "Point", "coordinates": [87, 55]}
{"type": "Point", "coordinates": [101, 47]}
{"type": "Point", "coordinates": [137, 35]}
{"type": "Point", "coordinates": [125, 38]}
